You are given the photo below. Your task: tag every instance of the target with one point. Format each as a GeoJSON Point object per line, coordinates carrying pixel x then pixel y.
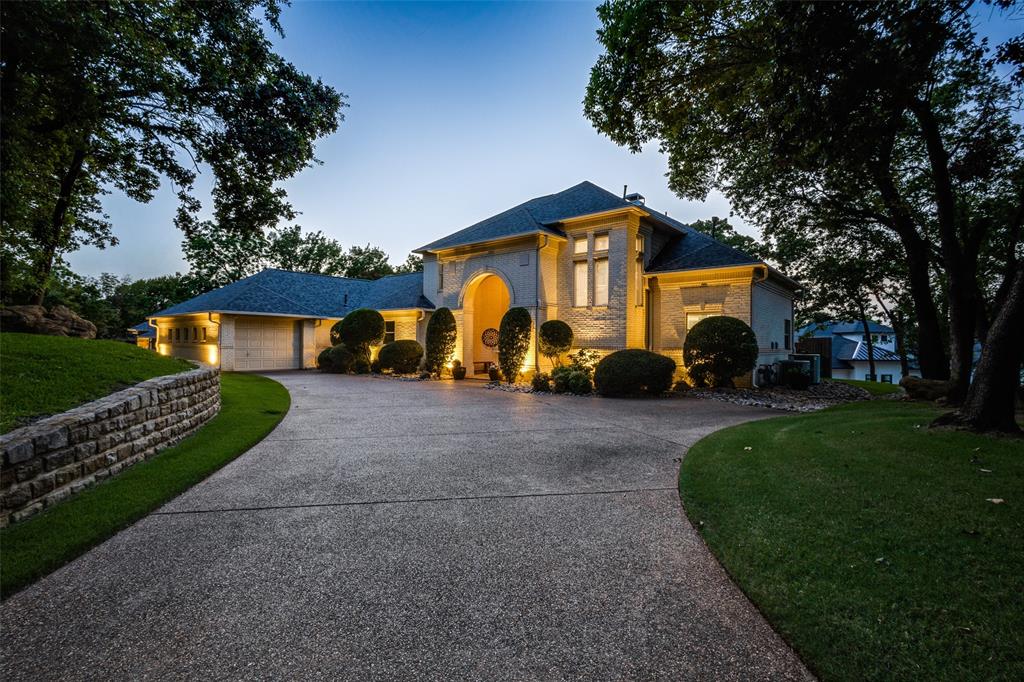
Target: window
{"type": "Point", "coordinates": [600, 242]}
{"type": "Point", "coordinates": [886, 378]}
{"type": "Point", "coordinates": [195, 333]}
{"type": "Point", "coordinates": [787, 334]}
{"type": "Point", "coordinates": [440, 276]}
{"type": "Point", "coordinates": [204, 333]}
{"type": "Point", "coordinates": [579, 245]}
{"type": "Point", "coordinates": [640, 245]}
{"type": "Point", "coordinates": [524, 258]}
{"type": "Point", "coordinates": [389, 331]}
{"type": "Point", "coordinates": [177, 333]}
{"type": "Point", "coordinates": [693, 318]}
{"type": "Point", "coordinates": [579, 270]}
{"type": "Point", "coordinates": [601, 281]}
{"type": "Point", "coordinates": [884, 338]}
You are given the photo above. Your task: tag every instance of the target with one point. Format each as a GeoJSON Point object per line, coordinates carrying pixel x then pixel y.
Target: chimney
{"type": "Point", "coordinates": [635, 198]}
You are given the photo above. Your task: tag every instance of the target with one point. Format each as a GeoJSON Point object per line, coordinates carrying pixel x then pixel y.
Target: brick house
{"type": "Point", "coordinates": [621, 274]}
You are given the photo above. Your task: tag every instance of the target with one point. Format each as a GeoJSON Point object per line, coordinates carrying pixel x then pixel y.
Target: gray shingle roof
{"type": "Point", "coordinates": [302, 294]}
{"type": "Point", "coordinates": [693, 250]}
{"type": "Point", "coordinates": [540, 215]}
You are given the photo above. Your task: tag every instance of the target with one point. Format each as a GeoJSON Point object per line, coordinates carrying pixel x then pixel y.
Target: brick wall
{"type": "Point", "coordinates": [57, 457]}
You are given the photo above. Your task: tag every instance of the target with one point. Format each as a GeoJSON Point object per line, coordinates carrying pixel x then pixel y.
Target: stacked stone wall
{"type": "Point", "coordinates": [59, 456]}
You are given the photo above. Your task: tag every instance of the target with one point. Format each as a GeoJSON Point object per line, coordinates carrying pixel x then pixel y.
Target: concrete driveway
{"type": "Point", "coordinates": [398, 530]}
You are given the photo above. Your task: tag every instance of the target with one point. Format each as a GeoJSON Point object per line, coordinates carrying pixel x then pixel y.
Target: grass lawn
{"type": "Point", "coordinates": [251, 407]}
{"type": "Point", "coordinates": [872, 387]}
{"type": "Point", "coordinates": [868, 541]}
{"type": "Point", "coordinates": [44, 375]}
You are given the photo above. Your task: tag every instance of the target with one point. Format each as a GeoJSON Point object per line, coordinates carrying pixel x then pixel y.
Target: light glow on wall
{"type": "Point", "coordinates": [211, 353]}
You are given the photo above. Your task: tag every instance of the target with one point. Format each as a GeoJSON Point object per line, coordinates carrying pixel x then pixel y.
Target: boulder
{"type": "Point", "coordinates": [925, 389]}
{"type": "Point", "coordinates": [34, 319]}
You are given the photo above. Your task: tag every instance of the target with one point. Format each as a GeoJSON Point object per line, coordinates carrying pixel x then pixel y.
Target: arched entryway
{"type": "Point", "coordinates": [486, 299]}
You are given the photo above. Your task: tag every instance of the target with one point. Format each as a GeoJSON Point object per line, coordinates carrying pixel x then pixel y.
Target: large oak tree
{"type": "Point", "coordinates": [846, 116]}
{"type": "Point", "coordinates": [121, 96]}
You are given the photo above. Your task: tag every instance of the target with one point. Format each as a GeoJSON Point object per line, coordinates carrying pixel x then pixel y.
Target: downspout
{"type": "Point", "coordinates": [156, 330]}
{"type": "Point", "coordinates": [209, 316]}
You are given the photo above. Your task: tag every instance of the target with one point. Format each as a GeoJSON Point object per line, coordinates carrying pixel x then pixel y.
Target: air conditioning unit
{"type": "Point", "coordinates": [815, 361]}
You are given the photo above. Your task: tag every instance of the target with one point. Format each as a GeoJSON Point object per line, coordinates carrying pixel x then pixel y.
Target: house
{"type": "Point", "coordinates": [848, 349]}
{"type": "Point", "coordinates": [144, 335]}
{"type": "Point", "coordinates": [621, 274]}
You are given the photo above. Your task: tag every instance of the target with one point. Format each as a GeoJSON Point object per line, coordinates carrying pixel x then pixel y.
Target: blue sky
{"type": "Point", "coordinates": [456, 112]}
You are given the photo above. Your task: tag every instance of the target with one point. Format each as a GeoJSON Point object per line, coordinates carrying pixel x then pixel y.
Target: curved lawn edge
{"type": "Point", "coordinates": [251, 406]}
{"type": "Point", "coordinates": [869, 543]}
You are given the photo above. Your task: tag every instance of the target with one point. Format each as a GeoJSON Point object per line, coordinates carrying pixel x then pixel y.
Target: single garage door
{"type": "Point", "coordinates": [267, 343]}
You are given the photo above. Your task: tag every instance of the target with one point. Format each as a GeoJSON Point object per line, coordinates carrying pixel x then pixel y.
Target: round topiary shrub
{"type": "Point", "coordinates": [359, 330]}
{"type": "Point", "coordinates": [441, 334]}
{"type": "Point", "coordinates": [513, 341]}
{"type": "Point", "coordinates": [337, 360]}
{"type": "Point", "coordinates": [719, 349]}
{"type": "Point", "coordinates": [401, 357]}
{"type": "Point", "coordinates": [632, 372]}
{"type": "Point", "coordinates": [554, 339]}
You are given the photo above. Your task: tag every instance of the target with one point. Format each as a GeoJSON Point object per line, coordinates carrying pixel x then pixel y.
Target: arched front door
{"type": "Point", "coordinates": [486, 301]}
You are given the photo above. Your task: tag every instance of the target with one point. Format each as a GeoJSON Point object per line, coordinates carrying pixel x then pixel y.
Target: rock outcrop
{"type": "Point", "coordinates": [34, 319]}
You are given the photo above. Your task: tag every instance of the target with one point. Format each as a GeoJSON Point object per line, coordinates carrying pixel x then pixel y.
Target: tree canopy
{"type": "Point", "coordinates": [100, 97]}
{"type": "Point", "coordinates": [825, 119]}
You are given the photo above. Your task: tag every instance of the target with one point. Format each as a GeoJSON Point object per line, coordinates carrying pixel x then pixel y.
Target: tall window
{"type": "Point", "coordinates": [787, 334]}
{"type": "Point", "coordinates": [601, 281]}
{"type": "Point", "coordinates": [638, 270]}
{"type": "Point", "coordinates": [204, 333]}
{"type": "Point", "coordinates": [389, 331]}
{"type": "Point", "coordinates": [440, 276]}
{"type": "Point", "coordinates": [579, 270]}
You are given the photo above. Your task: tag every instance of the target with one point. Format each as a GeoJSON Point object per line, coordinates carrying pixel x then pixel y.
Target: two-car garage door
{"type": "Point", "coordinates": [267, 343]}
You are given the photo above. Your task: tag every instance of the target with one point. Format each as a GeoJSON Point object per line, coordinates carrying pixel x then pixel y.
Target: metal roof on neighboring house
{"type": "Point", "coordinates": [826, 329]}
{"type": "Point", "coordinates": [303, 294]}
{"type": "Point", "coordinates": [845, 352]}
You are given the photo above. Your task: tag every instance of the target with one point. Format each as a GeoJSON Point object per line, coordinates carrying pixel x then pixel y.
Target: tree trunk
{"type": "Point", "coordinates": [962, 318]}
{"type": "Point", "coordinates": [54, 235]}
{"type": "Point", "coordinates": [930, 351]}
{"type": "Point", "coordinates": [867, 340]}
{"type": "Point", "coordinates": [991, 400]}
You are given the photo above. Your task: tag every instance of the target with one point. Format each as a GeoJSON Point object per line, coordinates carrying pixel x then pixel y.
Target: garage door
{"type": "Point", "coordinates": [267, 343]}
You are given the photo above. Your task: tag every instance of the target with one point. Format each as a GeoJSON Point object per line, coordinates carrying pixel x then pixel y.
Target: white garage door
{"type": "Point", "coordinates": [267, 343]}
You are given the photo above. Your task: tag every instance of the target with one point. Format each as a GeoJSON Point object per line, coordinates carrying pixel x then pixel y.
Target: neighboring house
{"type": "Point", "coordinates": [619, 273]}
{"type": "Point", "coordinates": [849, 350]}
{"type": "Point", "coordinates": [145, 335]}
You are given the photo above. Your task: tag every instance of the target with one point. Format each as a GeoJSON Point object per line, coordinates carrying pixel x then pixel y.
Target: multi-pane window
{"type": "Point", "coordinates": [389, 331]}
{"type": "Point", "coordinates": [579, 270]}
{"type": "Point", "coordinates": [579, 245]}
{"type": "Point", "coordinates": [787, 334]}
{"type": "Point", "coordinates": [600, 242]}
{"type": "Point", "coordinates": [600, 281]}
{"type": "Point", "coordinates": [693, 318]}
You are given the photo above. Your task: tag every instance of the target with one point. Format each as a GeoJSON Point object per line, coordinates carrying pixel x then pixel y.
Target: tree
{"type": "Point", "coordinates": [442, 333]}
{"type": "Point", "coordinates": [554, 339]}
{"type": "Point", "coordinates": [367, 262]}
{"type": "Point", "coordinates": [99, 95]}
{"type": "Point", "coordinates": [413, 263]}
{"type": "Point", "coordinates": [720, 229]}
{"type": "Point", "coordinates": [290, 249]}
{"type": "Point", "coordinates": [885, 115]}
{"type": "Point", "coordinates": [513, 341]}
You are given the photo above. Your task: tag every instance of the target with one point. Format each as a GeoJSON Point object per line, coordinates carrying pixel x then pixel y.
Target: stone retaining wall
{"type": "Point", "coordinates": [46, 462]}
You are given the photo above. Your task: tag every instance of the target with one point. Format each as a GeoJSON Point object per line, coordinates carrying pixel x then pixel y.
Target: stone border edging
{"type": "Point", "coordinates": [59, 456]}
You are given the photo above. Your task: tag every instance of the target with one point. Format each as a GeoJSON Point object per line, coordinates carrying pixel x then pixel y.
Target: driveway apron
{"type": "Point", "coordinates": [415, 530]}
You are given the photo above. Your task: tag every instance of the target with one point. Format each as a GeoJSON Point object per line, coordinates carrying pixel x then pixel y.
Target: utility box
{"type": "Point", "coordinates": [815, 364]}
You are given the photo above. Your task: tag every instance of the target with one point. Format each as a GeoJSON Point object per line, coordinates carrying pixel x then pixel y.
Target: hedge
{"type": "Point", "coordinates": [441, 334]}
{"type": "Point", "coordinates": [402, 357]}
{"type": "Point", "coordinates": [719, 349]}
{"type": "Point", "coordinates": [336, 359]}
{"type": "Point", "coordinates": [633, 372]}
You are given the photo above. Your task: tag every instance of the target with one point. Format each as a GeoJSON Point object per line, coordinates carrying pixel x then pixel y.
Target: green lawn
{"type": "Point", "coordinates": [251, 407]}
{"type": "Point", "coordinates": [868, 541]}
{"type": "Point", "coordinates": [875, 388]}
{"type": "Point", "coordinates": [45, 375]}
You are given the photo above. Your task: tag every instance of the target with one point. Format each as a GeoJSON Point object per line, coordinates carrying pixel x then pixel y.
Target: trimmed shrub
{"type": "Point", "coordinates": [554, 339]}
{"type": "Point", "coordinates": [359, 330]}
{"type": "Point", "coordinates": [361, 366]}
{"type": "Point", "coordinates": [796, 378]}
{"type": "Point", "coordinates": [401, 356]}
{"type": "Point", "coordinates": [513, 341]}
{"type": "Point", "coordinates": [569, 380]}
{"type": "Point", "coordinates": [336, 359]}
{"type": "Point", "coordinates": [634, 371]}
{"type": "Point", "coordinates": [584, 360]}
{"type": "Point", "coordinates": [441, 333]}
{"type": "Point", "coordinates": [541, 383]}
{"type": "Point", "coordinates": [719, 349]}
